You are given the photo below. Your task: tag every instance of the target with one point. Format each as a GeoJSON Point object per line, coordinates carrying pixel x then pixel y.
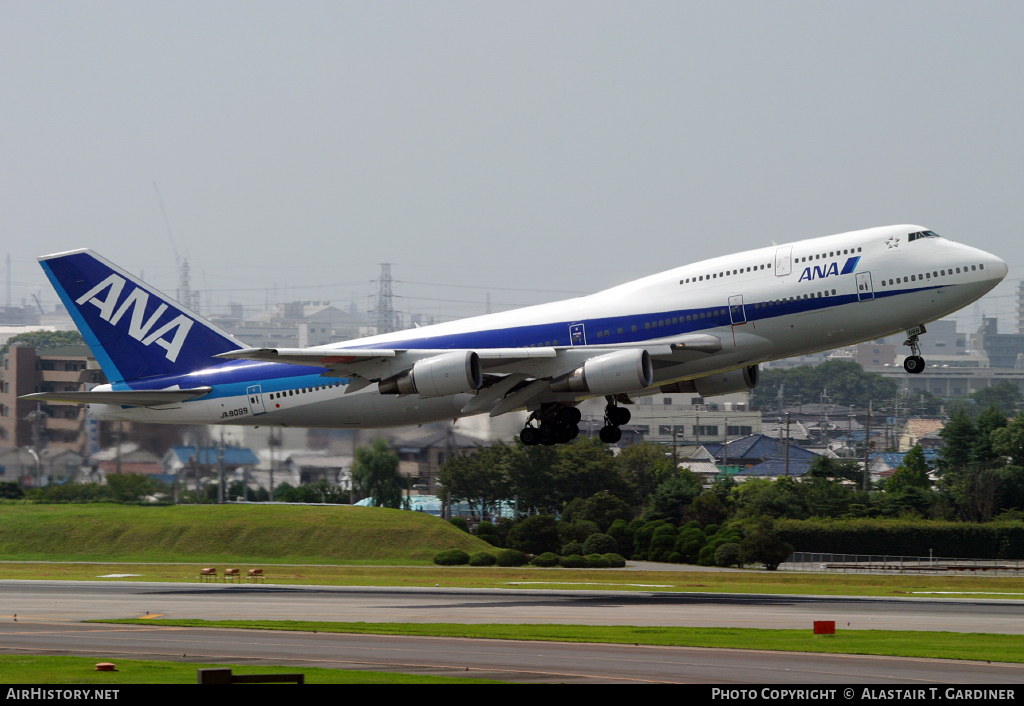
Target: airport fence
{"type": "Point", "coordinates": [890, 564]}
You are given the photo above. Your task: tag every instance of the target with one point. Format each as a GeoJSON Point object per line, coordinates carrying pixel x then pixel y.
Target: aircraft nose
{"type": "Point", "coordinates": [997, 267]}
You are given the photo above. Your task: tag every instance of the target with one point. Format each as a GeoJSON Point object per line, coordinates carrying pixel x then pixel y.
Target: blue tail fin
{"type": "Point", "coordinates": [133, 330]}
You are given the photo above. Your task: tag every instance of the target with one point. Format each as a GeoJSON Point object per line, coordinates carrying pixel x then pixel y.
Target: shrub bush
{"type": "Point", "coordinates": [571, 548]}
{"type": "Point", "coordinates": [574, 561]}
{"type": "Point", "coordinates": [512, 557]}
{"type": "Point", "coordinates": [546, 559]}
{"type": "Point", "coordinates": [482, 559]}
{"type": "Point", "coordinates": [623, 536]}
{"type": "Point", "coordinates": [663, 543]}
{"type": "Point", "coordinates": [728, 554]}
{"type": "Point", "coordinates": [534, 535]}
{"type": "Point", "coordinates": [460, 523]}
{"type": "Point", "coordinates": [616, 561]}
{"type": "Point", "coordinates": [600, 544]}
{"type": "Point", "coordinates": [597, 561]}
{"type": "Point", "coordinates": [489, 533]}
{"type": "Point", "coordinates": [576, 531]}
{"type": "Point", "coordinates": [452, 557]}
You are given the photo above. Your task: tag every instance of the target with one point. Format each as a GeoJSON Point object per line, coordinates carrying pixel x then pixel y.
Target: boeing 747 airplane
{"type": "Point", "coordinates": [702, 328]}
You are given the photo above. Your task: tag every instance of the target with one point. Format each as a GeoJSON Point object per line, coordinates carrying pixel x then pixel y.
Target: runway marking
{"type": "Point", "coordinates": [148, 616]}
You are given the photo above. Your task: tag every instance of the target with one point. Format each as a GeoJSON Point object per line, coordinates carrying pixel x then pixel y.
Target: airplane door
{"type": "Point", "coordinates": [864, 290]}
{"type": "Point", "coordinates": [577, 335]}
{"type": "Point", "coordinates": [255, 396]}
{"type": "Point", "coordinates": [784, 261]}
{"type": "Point", "coordinates": [736, 312]}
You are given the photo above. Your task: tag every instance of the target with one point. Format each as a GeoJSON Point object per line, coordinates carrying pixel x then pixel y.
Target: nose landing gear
{"type": "Point", "coordinates": [914, 363]}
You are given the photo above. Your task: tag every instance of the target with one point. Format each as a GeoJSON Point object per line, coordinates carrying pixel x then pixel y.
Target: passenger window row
{"type": "Point", "coordinates": [302, 390]}
{"type": "Point", "coordinates": [929, 275]}
{"type": "Point", "coordinates": [725, 273]}
{"type": "Point", "coordinates": [779, 302]}
{"type": "Point", "coordinates": [848, 251]}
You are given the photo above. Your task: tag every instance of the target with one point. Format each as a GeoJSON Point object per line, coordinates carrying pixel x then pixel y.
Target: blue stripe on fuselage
{"type": "Point", "coordinates": [231, 378]}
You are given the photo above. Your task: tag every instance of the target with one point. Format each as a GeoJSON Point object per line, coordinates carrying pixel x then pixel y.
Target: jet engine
{"type": "Point", "coordinates": [609, 374]}
{"type": "Point", "coordinates": [446, 374]}
{"type": "Point", "coordinates": [718, 383]}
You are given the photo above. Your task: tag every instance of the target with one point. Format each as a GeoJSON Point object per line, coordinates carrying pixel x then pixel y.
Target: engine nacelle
{"type": "Point", "coordinates": [609, 374]}
{"type": "Point", "coordinates": [442, 375]}
{"type": "Point", "coordinates": [719, 383]}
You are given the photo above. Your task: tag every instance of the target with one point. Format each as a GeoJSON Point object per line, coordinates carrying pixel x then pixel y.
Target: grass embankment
{"type": "Point", "coordinates": [898, 643]}
{"type": "Point", "coordinates": [338, 534]}
{"type": "Point", "coordinates": [527, 577]}
{"type": "Point", "coordinates": [35, 669]}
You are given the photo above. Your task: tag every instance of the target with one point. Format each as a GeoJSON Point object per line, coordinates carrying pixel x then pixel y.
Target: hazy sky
{"type": "Point", "coordinates": [526, 149]}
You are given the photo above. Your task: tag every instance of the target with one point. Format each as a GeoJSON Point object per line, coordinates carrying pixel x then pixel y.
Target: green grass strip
{"type": "Point", "coordinates": [897, 643]}
{"type": "Point", "coordinates": [38, 669]}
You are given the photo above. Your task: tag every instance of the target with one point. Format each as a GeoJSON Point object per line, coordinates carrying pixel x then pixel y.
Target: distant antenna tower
{"type": "Point", "coordinates": [189, 298]}
{"type": "Point", "coordinates": [387, 319]}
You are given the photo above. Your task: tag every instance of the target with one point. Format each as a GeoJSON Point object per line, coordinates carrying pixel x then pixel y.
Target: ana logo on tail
{"type": "Point", "coordinates": [139, 327]}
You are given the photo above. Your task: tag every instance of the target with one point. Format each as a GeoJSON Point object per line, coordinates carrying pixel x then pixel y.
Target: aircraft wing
{"type": "Point", "coordinates": [132, 398]}
{"type": "Point", "coordinates": [354, 360]}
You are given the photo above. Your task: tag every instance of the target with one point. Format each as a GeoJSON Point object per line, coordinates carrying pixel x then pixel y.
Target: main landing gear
{"type": "Point", "coordinates": [914, 363]}
{"type": "Point", "coordinates": [556, 423]}
{"type": "Point", "coordinates": [614, 417]}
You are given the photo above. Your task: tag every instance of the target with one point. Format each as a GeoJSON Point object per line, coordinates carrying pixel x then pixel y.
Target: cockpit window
{"type": "Point", "coordinates": [922, 234]}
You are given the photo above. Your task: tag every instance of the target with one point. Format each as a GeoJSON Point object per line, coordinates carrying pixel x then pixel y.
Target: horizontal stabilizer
{"type": "Point", "coordinates": [133, 398]}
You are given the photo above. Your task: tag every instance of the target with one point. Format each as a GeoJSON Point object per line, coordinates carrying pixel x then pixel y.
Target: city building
{"type": "Point", "coordinates": [57, 426]}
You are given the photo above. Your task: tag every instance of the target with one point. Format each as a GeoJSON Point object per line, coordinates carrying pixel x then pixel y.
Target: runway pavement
{"type": "Point", "coordinates": [507, 660]}
{"type": "Point", "coordinates": [87, 600]}
{"type": "Point", "coordinates": [49, 611]}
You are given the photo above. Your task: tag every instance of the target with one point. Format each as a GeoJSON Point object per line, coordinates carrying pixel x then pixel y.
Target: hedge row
{"type": "Point", "coordinates": [1002, 540]}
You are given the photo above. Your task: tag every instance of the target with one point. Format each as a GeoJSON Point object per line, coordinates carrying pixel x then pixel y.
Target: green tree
{"type": "Point", "coordinates": [479, 478]}
{"type": "Point", "coordinates": [1006, 397]}
{"type": "Point", "coordinates": [531, 478]}
{"type": "Point", "coordinates": [764, 545]}
{"type": "Point", "coordinates": [43, 340]}
{"type": "Point", "coordinates": [959, 437]}
{"type": "Point", "coordinates": [601, 508]}
{"type": "Point", "coordinates": [644, 467]}
{"type": "Point", "coordinates": [983, 451]}
{"type": "Point", "coordinates": [535, 535]}
{"type": "Point", "coordinates": [912, 473]}
{"type": "Point", "coordinates": [847, 383]}
{"type": "Point", "coordinates": [583, 468]}
{"type": "Point", "coordinates": [781, 498]}
{"type": "Point", "coordinates": [673, 498]}
{"type": "Point", "coordinates": [375, 474]}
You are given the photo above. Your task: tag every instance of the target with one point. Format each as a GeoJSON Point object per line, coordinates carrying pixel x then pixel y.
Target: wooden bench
{"type": "Point", "coordinates": [232, 575]}
{"type": "Point", "coordinates": [209, 574]}
{"type": "Point", "coordinates": [255, 576]}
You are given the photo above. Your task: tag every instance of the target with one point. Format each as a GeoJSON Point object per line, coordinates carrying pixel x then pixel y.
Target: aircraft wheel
{"type": "Point", "coordinates": [913, 364]}
{"type": "Point", "coordinates": [574, 431]}
{"type": "Point", "coordinates": [619, 416]}
{"type": "Point", "coordinates": [548, 434]}
{"type": "Point", "coordinates": [529, 436]}
{"type": "Point", "coordinates": [564, 434]}
{"type": "Point", "coordinates": [610, 434]}
{"type": "Point", "coordinates": [570, 415]}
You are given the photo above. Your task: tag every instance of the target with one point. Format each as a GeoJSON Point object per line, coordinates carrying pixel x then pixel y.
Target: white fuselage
{"type": "Point", "coordinates": [765, 304]}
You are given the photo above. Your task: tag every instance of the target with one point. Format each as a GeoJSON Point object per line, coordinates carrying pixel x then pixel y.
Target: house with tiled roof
{"type": "Point", "coordinates": [916, 429]}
